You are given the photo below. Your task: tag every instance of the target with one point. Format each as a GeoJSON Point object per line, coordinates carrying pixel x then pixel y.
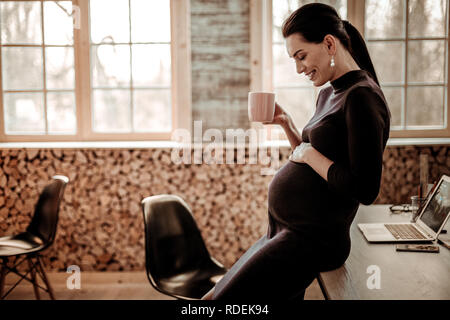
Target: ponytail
{"type": "Point", "coordinates": [358, 50]}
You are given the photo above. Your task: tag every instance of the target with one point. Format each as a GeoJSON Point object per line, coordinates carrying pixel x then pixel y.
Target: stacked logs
{"type": "Point", "coordinates": [401, 172]}
{"type": "Point", "coordinates": [101, 223]}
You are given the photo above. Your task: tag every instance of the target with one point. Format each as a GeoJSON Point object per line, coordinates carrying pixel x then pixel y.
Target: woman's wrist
{"type": "Point", "coordinates": [287, 123]}
{"type": "Point", "coordinates": [291, 131]}
{"type": "Point", "coordinates": [308, 155]}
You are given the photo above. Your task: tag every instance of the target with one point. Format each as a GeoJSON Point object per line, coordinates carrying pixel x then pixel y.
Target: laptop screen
{"type": "Point", "coordinates": [436, 211]}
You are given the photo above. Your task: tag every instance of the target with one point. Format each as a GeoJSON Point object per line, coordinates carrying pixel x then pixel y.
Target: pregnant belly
{"type": "Point", "coordinates": [298, 195]}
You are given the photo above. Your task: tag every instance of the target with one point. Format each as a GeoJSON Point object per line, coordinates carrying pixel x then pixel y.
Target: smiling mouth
{"type": "Point", "coordinates": [311, 74]}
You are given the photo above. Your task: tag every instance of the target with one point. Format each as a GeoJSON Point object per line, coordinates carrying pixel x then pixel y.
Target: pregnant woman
{"type": "Point", "coordinates": [335, 166]}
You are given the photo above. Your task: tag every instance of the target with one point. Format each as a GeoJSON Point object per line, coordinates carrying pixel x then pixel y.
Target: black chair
{"type": "Point", "coordinates": [38, 236]}
{"type": "Point", "coordinates": [177, 260]}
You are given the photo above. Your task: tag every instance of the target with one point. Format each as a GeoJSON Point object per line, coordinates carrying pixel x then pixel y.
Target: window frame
{"type": "Point", "coordinates": [261, 58]}
{"type": "Point", "coordinates": [180, 82]}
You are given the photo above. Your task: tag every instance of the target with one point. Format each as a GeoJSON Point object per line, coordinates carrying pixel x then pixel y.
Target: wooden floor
{"type": "Point", "coordinates": [108, 286]}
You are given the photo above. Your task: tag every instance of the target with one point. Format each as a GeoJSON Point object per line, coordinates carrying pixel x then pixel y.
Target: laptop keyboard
{"type": "Point", "coordinates": [404, 231]}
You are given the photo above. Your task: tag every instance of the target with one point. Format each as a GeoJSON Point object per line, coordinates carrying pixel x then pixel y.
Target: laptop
{"type": "Point", "coordinates": [431, 219]}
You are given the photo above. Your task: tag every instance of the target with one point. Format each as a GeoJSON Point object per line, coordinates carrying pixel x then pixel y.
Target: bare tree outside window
{"type": "Point", "coordinates": [38, 78]}
{"type": "Point", "coordinates": [131, 66]}
{"type": "Point", "coordinates": [130, 87]}
{"type": "Point", "coordinates": [408, 41]}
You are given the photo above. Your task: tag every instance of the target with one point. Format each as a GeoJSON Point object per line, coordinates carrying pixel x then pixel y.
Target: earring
{"type": "Point", "coordinates": [332, 64]}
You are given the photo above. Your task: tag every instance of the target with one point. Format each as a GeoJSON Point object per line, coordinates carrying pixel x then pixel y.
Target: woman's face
{"type": "Point", "coordinates": [310, 58]}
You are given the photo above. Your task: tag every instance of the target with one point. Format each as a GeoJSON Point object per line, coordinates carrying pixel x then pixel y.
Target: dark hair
{"type": "Point", "coordinates": [315, 20]}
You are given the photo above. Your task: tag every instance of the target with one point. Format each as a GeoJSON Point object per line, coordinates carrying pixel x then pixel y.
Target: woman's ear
{"type": "Point", "coordinates": [330, 44]}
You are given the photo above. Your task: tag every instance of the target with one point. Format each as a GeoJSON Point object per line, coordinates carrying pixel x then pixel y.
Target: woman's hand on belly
{"type": "Point", "coordinates": [306, 153]}
{"type": "Point", "coordinates": [300, 152]}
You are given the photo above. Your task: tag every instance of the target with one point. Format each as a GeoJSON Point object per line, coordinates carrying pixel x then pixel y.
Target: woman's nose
{"type": "Point", "coordinates": [300, 68]}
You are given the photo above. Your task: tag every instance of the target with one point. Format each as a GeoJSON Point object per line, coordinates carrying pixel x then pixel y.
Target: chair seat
{"type": "Point", "coordinates": [192, 284]}
{"type": "Point", "coordinates": [22, 243]}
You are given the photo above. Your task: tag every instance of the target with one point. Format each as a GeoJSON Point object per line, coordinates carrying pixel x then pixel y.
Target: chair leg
{"type": "Point", "coordinates": [2, 277]}
{"type": "Point", "coordinates": [34, 278]}
{"type": "Point", "coordinates": [322, 288]}
{"type": "Point", "coordinates": [44, 277]}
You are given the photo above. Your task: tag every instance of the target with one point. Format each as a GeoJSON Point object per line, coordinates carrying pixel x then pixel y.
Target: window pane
{"type": "Point", "coordinates": [151, 64]}
{"type": "Point", "coordinates": [426, 60]}
{"type": "Point", "coordinates": [425, 106]}
{"type": "Point", "coordinates": [152, 110]}
{"type": "Point", "coordinates": [339, 5]}
{"type": "Point", "coordinates": [388, 60]}
{"type": "Point", "coordinates": [110, 21]}
{"type": "Point", "coordinates": [21, 22]}
{"type": "Point", "coordinates": [24, 113]}
{"type": "Point", "coordinates": [281, 9]}
{"type": "Point", "coordinates": [150, 21]}
{"type": "Point", "coordinates": [298, 102]}
{"type": "Point", "coordinates": [284, 69]}
{"type": "Point", "coordinates": [395, 102]}
{"type": "Point", "coordinates": [427, 18]}
{"type": "Point", "coordinates": [60, 68]}
{"type": "Point", "coordinates": [110, 65]}
{"type": "Point", "coordinates": [61, 112]}
{"type": "Point", "coordinates": [384, 18]}
{"type": "Point", "coordinates": [58, 22]}
{"type": "Point", "coordinates": [22, 68]}
{"type": "Point", "coordinates": [111, 111]}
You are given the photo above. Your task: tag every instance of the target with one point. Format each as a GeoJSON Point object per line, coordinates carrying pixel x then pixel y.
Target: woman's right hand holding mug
{"type": "Point", "coordinates": [283, 119]}
{"type": "Point", "coordinates": [280, 116]}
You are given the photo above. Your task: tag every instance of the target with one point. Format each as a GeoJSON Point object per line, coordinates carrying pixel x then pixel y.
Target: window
{"type": "Point", "coordinates": [38, 78]}
{"type": "Point", "coordinates": [94, 70]}
{"type": "Point", "coordinates": [408, 43]}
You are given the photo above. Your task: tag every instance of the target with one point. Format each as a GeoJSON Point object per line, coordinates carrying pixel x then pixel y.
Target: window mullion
{"type": "Point", "coordinates": [267, 59]}
{"type": "Point", "coordinates": [446, 101]}
{"type": "Point", "coordinates": [82, 71]}
{"type": "Point", "coordinates": [2, 119]}
{"type": "Point", "coordinates": [131, 70]}
{"type": "Point", "coordinates": [356, 11]}
{"type": "Point", "coordinates": [181, 88]}
{"type": "Point", "coordinates": [44, 69]}
{"type": "Point", "coordinates": [405, 72]}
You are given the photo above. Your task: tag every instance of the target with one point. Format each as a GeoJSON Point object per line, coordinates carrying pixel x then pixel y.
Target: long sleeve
{"type": "Point", "coordinates": [367, 121]}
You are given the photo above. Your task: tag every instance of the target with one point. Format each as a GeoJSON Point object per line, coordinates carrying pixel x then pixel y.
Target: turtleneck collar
{"type": "Point", "coordinates": [347, 80]}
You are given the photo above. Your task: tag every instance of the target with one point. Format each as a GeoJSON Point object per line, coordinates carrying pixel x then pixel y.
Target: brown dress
{"type": "Point", "coordinates": [310, 218]}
